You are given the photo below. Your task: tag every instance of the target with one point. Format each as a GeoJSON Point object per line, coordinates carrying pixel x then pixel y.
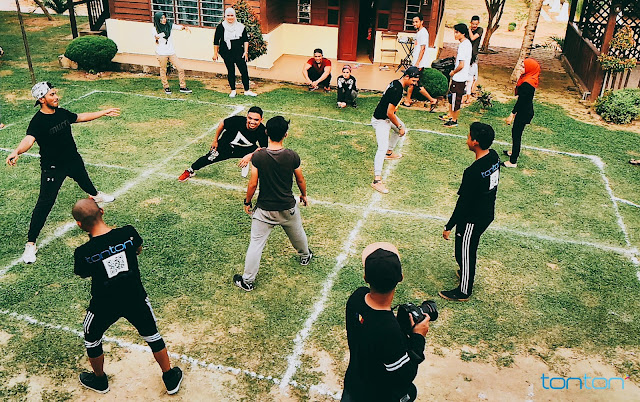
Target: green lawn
{"type": "Point", "coordinates": [538, 281]}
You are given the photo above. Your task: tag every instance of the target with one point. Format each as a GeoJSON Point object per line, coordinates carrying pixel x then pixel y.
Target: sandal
{"type": "Point", "coordinates": [635, 162]}
{"type": "Point", "coordinates": [432, 107]}
{"type": "Point", "coordinates": [403, 103]}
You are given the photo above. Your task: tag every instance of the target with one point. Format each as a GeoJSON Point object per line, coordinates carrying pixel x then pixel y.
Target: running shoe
{"type": "Point", "coordinates": [250, 93]}
{"type": "Point", "coordinates": [98, 384]}
{"type": "Point", "coordinates": [450, 123]}
{"type": "Point", "coordinates": [306, 260]}
{"type": "Point", "coordinates": [239, 282]}
{"type": "Point", "coordinates": [167, 91]}
{"type": "Point", "coordinates": [172, 380]}
{"type": "Point", "coordinates": [29, 255]}
{"type": "Point", "coordinates": [103, 197]}
{"type": "Point", "coordinates": [379, 186]}
{"type": "Point", "coordinates": [232, 94]}
{"type": "Point", "coordinates": [392, 156]}
{"type": "Point", "coordinates": [186, 175]}
{"type": "Point", "coordinates": [185, 90]}
{"type": "Point", "coordinates": [453, 295]}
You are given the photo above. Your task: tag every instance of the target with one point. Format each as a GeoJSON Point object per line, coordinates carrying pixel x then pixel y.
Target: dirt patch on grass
{"type": "Point", "coordinates": [326, 367]}
{"type": "Point", "coordinates": [259, 87]}
{"type": "Point", "coordinates": [4, 337]}
{"type": "Point", "coordinates": [42, 23]}
{"type": "Point", "coordinates": [444, 376]}
{"type": "Point", "coordinates": [6, 73]}
{"type": "Point", "coordinates": [151, 201]}
{"type": "Point", "coordinates": [79, 75]}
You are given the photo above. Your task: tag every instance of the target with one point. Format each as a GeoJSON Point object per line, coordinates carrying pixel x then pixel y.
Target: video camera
{"type": "Point", "coordinates": [405, 310]}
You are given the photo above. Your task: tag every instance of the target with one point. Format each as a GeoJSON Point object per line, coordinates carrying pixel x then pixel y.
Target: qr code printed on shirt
{"type": "Point", "coordinates": [494, 179]}
{"type": "Point", "coordinates": [115, 264]}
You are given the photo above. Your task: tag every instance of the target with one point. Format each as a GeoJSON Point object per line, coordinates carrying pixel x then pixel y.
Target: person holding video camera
{"type": "Point", "coordinates": [384, 359]}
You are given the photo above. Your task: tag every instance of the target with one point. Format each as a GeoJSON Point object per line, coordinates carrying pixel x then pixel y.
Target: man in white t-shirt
{"type": "Point", "coordinates": [419, 58]}
{"type": "Point", "coordinates": [459, 75]}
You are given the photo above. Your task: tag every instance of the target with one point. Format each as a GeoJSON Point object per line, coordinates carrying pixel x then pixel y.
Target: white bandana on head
{"type": "Point", "coordinates": [231, 31]}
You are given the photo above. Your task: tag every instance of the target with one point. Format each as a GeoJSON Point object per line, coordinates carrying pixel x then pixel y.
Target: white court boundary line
{"type": "Point", "coordinates": [66, 227]}
{"type": "Point", "coordinates": [319, 306]}
{"type": "Point", "coordinates": [302, 335]}
{"type": "Point", "coordinates": [323, 390]}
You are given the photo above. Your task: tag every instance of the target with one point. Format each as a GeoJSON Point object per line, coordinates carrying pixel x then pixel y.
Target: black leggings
{"type": "Point", "coordinates": [516, 137]}
{"type": "Point", "coordinates": [51, 180]}
{"type": "Point", "coordinates": [231, 62]}
{"type": "Point", "coordinates": [225, 151]}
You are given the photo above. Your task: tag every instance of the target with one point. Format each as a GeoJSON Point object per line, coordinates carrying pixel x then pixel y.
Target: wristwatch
{"type": "Point", "coordinates": [247, 204]}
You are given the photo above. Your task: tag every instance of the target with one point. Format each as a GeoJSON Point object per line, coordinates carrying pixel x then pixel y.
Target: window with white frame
{"type": "Point", "coordinates": [304, 11]}
{"type": "Point", "coordinates": [413, 8]}
{"type": "Point", "coordinates": [206, 13]}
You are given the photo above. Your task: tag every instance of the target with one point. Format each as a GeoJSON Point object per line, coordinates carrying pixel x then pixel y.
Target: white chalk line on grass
{"type": "Point", "coordinates": [495, 228]}
{"type": "Point", "coordinates": [321, 388]}
{"type": "Point", "coordinates": [622, 200]}
{"type": "Point", "coordinates": [318, 307]}
{"type": "Point", "coordinates": [62, 230]}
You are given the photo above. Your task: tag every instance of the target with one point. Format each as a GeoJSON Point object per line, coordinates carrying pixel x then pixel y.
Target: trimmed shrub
{"type": "Point", "coordinates": [434, 82]}
{"type": "Point", "coordinates": [92, 53]}
{"type": "Point", "coordinates": [619, 107]}
{"type": "Point", "coordinates": [245, 14]}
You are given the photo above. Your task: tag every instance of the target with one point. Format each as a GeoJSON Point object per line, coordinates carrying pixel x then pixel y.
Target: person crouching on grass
{"type": "Point", "coordinates": [110, 258]}
{"type": "Point", "coordinates": [347, 90]}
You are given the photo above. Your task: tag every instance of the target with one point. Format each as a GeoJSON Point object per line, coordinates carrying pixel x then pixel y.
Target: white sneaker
{"type": "Point", "coordinates": [29, 255]}
{"type": "Point", "coordinates": [103, 197]}
{"type": "Point", "coordinates": [510, 165]}
{"type": "Point", "coordinates": [250, 93]}
{"type": "Point", "coordinates": [232, 94]}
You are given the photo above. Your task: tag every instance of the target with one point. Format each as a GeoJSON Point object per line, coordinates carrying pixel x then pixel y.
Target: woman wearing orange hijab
{"type": "Point", "coordinates": [522, 112]}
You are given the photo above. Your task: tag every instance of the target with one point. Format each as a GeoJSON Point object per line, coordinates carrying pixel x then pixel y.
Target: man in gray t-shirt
{"type": "Point", "coordinates": [274, 167]}
{"type": "Point", "coordinates": [475, 36]}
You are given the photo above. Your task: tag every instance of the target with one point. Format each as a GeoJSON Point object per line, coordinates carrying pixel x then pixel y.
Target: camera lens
{"type": "Point", "coordinates": [430, 308]}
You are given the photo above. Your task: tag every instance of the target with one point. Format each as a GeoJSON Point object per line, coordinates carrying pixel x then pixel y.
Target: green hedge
{"type": "Point", "coordinates": [619, 107]}
{"type": "Point", "coordinates": [92, 53]}
{"type": "Point", "coordinates": [434, 82]}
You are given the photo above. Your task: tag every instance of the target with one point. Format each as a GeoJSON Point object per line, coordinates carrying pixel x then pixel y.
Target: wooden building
{"type": "Point", "coordinates": [589, 33]}
{"type": "Point", "coordinates": [350, 30]}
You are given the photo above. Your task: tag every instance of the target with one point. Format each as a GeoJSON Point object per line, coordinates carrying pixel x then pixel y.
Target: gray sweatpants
{"type": "Point", "coordinates": [262, 223]}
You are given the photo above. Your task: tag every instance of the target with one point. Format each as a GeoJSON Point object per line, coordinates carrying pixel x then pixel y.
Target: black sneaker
{"type": "Point", "coordinates": [172, 380]}
{"type": "Point", "coordinates": [306, 260]}
{"type": "Point", "coordinates": [453, 295]}
{"type": "Point", "coordinates": [185, 90]}
{"type": "Point", "coordinates": [167, 91]}
{"type": "Point", "coordinates": [239, 282]}
{"type": "Point", "coordinates": [354, 105]}
{"type": "Point", "coordinates": [451, 123]}
{"type": "Point", "coordinates": [98, 384]}
{"type": "Point", "coordinates": [444, 117]}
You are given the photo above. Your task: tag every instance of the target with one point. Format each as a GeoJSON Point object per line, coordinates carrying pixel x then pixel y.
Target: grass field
{"type": "Point", "coordinates": [556, 269]}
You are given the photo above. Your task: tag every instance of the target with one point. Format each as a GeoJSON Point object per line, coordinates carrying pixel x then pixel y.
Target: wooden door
{"type": "Point", "coordinates": [348, 30]}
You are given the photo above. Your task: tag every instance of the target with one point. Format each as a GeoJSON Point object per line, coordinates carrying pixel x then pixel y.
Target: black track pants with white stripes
{"type": "Point", "coordinates": [467, 241]}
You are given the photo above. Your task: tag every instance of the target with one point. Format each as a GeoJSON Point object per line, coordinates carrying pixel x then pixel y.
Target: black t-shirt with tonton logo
{"type": "Point", "coordinates": [236, 134]}
{"type": "Point", "coordinates": [53, 135]}
{"type": "Point", "coordinates": [111, 260]}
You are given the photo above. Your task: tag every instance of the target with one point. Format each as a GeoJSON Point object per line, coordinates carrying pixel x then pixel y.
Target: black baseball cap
{"type": "Point", "coordinates": [382, 270]}
{"type": "Point", "coordinates": [412, 72]}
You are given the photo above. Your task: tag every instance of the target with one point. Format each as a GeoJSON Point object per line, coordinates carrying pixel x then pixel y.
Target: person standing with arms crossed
{"type": "Point", "coordinates": [475, 208]}
{"type": "Point", "coordinates": [110, 259]}
{"type": "Point", "coordinates": [232, 43]}
{"type": "Point", "coordinates": [274, 167]}
{"type": "Point", "coordinates": [384, 121]}
{"type": "Point", "coordinates": [522, 112]}
{"type": "Point", "coordinates": [475, 35]}
{"type": "Point", "coordinates": [59, 157]}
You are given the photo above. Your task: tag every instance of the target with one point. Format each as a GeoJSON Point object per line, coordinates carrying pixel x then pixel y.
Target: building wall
{"type": "Point", "coordinates": [198, 45]}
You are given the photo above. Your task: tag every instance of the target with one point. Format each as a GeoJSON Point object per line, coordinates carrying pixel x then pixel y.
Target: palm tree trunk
{"type": "Point", "coordinates": [527, 40]}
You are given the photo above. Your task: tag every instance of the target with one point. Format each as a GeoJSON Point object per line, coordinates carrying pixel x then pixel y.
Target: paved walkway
{"type": "Point", "coordinates": [507, 57]}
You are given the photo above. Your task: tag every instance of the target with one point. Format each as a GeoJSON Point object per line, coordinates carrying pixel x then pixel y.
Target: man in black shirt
{"type": "Point", "coordinates": [384, 120]}
{"type": "Point", "coordinates": [110, 259]}
{"type": "Point", "coordinates": [475, 207]}
{"type": "Point", "coordinates": [275, 168]}
{"type": "Point", "coordinates": [383, 360]}
{"type": "Point", "coordinates": [59, 157]}
{"type": "Point", "coordinates": [236, 137]}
